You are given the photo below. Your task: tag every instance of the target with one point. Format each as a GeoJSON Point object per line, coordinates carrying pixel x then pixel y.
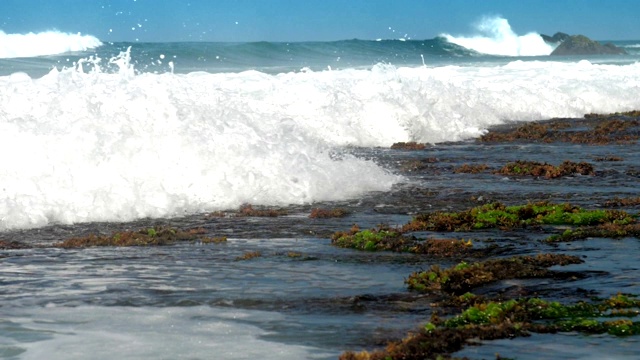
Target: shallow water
{"type": "Point", "coordinates": [562, 346]}
{"type": "Point", "coordinates": [269, 299]}
{"type": "Point", "coordinates": [303, 298]}
{"type": "Point", "coordinates": [292, 307]}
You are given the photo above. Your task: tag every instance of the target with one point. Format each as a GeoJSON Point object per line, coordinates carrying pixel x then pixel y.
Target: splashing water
{"type": "Point", "coordinates": [44, 43]}
{"type": "Point", "coordinates": [101, 146]}
{"type": "Point", "coordinates": [497, 38]}
{"type": "Point", "coordinates": [100, 141]}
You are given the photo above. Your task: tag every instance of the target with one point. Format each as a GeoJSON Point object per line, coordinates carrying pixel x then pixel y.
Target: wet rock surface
{"type": "Point", "coordinates": [581, 45]}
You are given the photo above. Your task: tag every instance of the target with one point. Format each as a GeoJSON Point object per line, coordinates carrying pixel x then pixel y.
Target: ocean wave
{"type": "Point", "coordinates": [44, 43]}
{"type": "Point", "coordinates": [497, 38]}
{"type": "Point", "coordinates": [81, 145]}
{"type": "Point", "coordinates": [85, 145]}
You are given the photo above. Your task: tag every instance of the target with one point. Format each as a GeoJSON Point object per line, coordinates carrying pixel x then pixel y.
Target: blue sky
{"type": "Point", "coordinates": [300, 20]}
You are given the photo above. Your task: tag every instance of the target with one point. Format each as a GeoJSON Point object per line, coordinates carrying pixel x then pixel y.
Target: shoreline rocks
{"type": "Point", "coordinates": [556, 38]}
{"type": "Point", "coordinates": [580, 45]}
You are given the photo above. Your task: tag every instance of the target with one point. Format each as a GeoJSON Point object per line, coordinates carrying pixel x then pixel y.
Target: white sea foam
{"type": "Point", "coordinates": [91, 146]}
{"type": "Point", "coordinates": [44, 43]}
{"type": "Point", "coordinates": [497, 38]}
{"type": "Point", "coordinates": [145, 333]}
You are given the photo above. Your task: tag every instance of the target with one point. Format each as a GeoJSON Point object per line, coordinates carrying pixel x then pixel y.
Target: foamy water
{"type": "Point", "coordinates": [147, 333]}
{"type": "Point", "coordinates": [84, 145]}
{"type": "Point", "coordinates": [119, 147]}
{"type": "Point", "coordinates": [44, 43]}
{"type": "Point", "coordinates": [495, 37]}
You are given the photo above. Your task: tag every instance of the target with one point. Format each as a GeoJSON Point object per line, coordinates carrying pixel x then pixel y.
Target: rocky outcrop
{"type": "Point", "coordinates": [556, 38]}
{"type": "Point", "coordinates": [580, 45]}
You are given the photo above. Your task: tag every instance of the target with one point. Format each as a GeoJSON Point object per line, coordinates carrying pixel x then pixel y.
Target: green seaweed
{"type": "Point", "coordinates": [497, 215]}
{"type": "Point", "coordinates": [464, 277]}
{"type": "Point", "coordinates": [155, 236]}
{"type": "Point", "coordinates": [369, 240]}
{"type": "Point", "coordinates": [384, 239]}
{"type": "Point", "coordinates": [582, 316]}
{"type": "Point", "coordinates": [438, 338]}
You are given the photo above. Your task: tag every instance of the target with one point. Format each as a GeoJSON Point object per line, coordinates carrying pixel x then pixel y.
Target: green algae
{"type": "Point", "coordinates": [155, 236]}
{"type": "Point", "coordinates": [487, 320]}
{"type": "Point", "coordinates": [498, 215]}
{"type": "Point", "coordinates": [480, 319]}
{"type": "Point", "coordinates": [369, 240]}
{"type": "Point", "coordinates": [488, 216]}
{"type": "Point", "coordinates": [490, 320]}
{"type": "Point", "coordinates": [582, 317]}
{"type": "Point", "coordinates": [465, 277]}
{"type": "Point", "coordinates": [384, 239]}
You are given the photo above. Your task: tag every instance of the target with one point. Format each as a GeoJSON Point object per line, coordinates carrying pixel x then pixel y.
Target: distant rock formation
{"type": "Point", "coordinates": [556, 38]}
{"type": "Point", "coordinates": [580, 45]}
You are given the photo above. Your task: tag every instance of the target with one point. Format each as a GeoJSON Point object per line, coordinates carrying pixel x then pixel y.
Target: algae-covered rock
{"type": "Point", "coordinates": [441, 337]}
{"type": "Point", "coordinates": [153, 236]}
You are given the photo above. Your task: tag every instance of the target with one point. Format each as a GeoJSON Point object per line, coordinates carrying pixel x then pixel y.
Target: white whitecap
{"type": "Point", "coordinates": [495, 37]}
{"type": "Point", "coordinates": [44, 43]}
{"type": "Point", "coordinates": [95, 146]}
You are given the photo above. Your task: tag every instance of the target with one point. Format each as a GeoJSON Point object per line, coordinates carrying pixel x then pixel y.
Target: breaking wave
{"type": "Point", "coordinates": [495, 37]}
{"type": "Point", "coordinates": [44, 43]}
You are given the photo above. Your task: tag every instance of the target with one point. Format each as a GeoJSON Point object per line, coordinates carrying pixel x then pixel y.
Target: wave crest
{"type": "Point", "coordinates": [102, 142]}
{"type": "Point", "coordinates": [44, 43]}
{"type": "Point", "coordinates": [497, 38]}
{"type": "Point", "coordinates": [99, 146]}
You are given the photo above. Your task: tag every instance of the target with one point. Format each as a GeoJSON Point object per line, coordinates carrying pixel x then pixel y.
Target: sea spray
{"type": "Point", "coordinates": [497, 38]}
{"type": "Point", "coordinates": [110, 143]}
{"type": "Point", "coordinates": [44, 43]}
{"type": "Point", "coordinates": [99, 146]}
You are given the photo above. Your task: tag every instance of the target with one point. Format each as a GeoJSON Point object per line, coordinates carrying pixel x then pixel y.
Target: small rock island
{"type": "Point", "coordinates": [580, 45]}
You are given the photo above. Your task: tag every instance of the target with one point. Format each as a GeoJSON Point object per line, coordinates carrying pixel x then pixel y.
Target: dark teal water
{"type": "Point", "coordinates": [277, 57]}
